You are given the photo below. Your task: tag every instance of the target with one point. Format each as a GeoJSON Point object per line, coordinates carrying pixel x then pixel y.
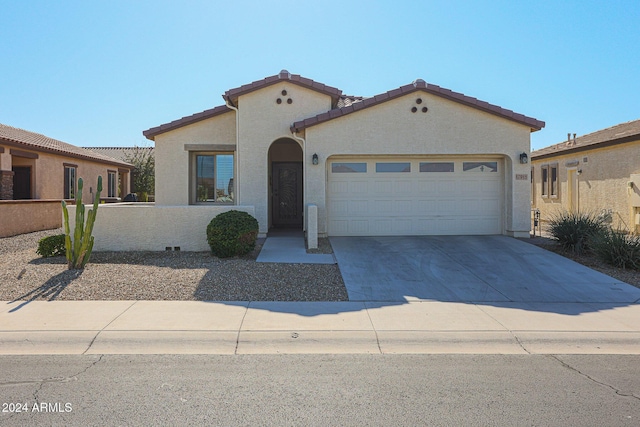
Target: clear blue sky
{"type": "Point", "coordinates": [98, 73]}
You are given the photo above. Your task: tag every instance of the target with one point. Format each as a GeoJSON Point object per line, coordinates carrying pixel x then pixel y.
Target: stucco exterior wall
{"type": "Point", "coordinates": [448, 128]}
{"type": "Point", "coordinates": [172, 160]}
{"type": "Point", "coordinates": [47, 171]}
{"type": "Point", "coordinates": [262, 122]}
{"type": "Point", "coordinates": [153, 228]}
{"type": "Point", "coordinates": [602, 185]}
{"type": "Point", "coordinates": [27, 216]}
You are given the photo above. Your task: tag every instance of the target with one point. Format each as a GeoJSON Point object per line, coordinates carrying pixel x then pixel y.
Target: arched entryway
{"type": "Point", "coordinates": [285, 184]}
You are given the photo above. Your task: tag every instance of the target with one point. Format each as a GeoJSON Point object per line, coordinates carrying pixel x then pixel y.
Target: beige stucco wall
{"type": "Point", "coordinates": [262, 122]}
{"type": "Point", "coordinates": [448, 128]}
{"type": "Point", "coordinates": [172, 160]}
{"type": "Point", "coordinates": [26, 216]}
{"type": "Point", "coordinates": [47, 179]}
{"type": "Point", "coordinates": [390, 128]}
{"type": "Point", "coordinates": [602, 185]}
{"type": "Point", "coordinates": [145, 227]}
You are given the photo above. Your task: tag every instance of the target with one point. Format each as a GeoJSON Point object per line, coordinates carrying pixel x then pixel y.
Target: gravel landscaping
{"type": "Point", "coordinates": [24, 275]}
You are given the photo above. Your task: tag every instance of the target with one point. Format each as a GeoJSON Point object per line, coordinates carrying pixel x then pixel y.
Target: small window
{"type": "Point", "coordinates": [348, 167]}
{"type": "Point", "coordinates": [393, 167]}
{"type": "Point", "coordinates": [214, 178]}
{"type": "Point", "coordinates": [480, 167]}
{"type": "Point", "coordinates": [553, 180]}
{"type": "Point", "coordinates": [69, 182]}
{"type": "Point", "coordinates": [111, 184]}
{"type": "Point", "coordinates": [544, 188]}
{"type": "Point", "coordinates": [436, 167]}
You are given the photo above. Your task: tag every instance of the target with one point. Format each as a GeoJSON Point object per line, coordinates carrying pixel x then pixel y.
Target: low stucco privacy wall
{"type": "Point", "coordinates": [27, 216]}
{"type": "Point", "coordinates": [147, 227]}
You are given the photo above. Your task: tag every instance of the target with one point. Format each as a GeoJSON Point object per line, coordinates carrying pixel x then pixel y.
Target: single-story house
{"type": "Point", "coordinates": [419, 159]}
{"type": "Point", "coordinates": [296, 153]}
{"type": "Point", "coordinates": [34, 166]}
{"type": "Point", "coordinates": [597, 173]}
{"type": "Point", "coordinates": [36, 172]}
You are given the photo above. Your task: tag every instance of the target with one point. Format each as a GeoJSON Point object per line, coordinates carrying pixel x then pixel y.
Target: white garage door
{"type": "Point", "coordinates": [400, 196]}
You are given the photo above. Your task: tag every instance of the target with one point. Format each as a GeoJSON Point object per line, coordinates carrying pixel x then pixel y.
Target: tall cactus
{"type": "Point", "coordinates": [79, 251]}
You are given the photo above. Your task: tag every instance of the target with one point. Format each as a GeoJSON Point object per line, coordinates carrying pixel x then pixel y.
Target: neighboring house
{"type": "Point", "coordinates": [34, 166]}
{"type": "Point", "coordinates": [598, 173]}
{"type": "Point", "coordinates": [417, 160]}
{"type": "Point", "coordinates": [123, 153]}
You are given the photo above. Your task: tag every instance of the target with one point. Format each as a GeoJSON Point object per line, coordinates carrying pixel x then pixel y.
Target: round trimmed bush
{"type": "Point", "coordinates": [51, 246]}
{"type": "Point", "coordinates": [232, 233]}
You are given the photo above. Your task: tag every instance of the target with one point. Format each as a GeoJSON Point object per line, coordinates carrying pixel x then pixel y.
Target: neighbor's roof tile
{"type": "Point", "coordinates": [623, 132]}
{"type": "Point", "coordinates": [38, 142]}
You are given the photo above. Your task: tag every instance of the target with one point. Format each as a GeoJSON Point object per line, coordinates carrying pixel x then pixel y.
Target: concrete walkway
{"type": "Point", "coordinates": [288, 247]}
{"type": "Point", "coordinates": [193, 327]}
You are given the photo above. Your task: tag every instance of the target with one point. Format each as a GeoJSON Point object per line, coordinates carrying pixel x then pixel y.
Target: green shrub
{"type": "Point", "coordinates": [51, 246]}
{"type": "Point", "coordinates": [573, 229]}
{"type": "Point", "coordinates": [232, 233]}
{"type": "Point", "coordinates": [617, 248]}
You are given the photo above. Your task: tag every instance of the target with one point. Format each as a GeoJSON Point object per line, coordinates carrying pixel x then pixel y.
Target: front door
{"type": "Point", "coordinates": [286, 198]}
{"type": "Point", "coordinates": [21, 182]}
{"type": "Point", "coordinates": [572, 179]}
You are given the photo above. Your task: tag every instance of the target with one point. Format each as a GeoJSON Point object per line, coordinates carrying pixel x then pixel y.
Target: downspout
{"type": "Point", "coordinates": [304, 174]}
{"type": "Point", "coordinates": [236, 183]}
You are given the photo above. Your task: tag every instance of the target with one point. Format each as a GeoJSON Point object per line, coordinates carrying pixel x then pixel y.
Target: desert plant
{"type": "Point", "coordinates": [617, 247]}
{"type": "Point", "coordinates": [573, 229]}
{"type": "Point", "coordinates": [51, 246]}
{"type": "Point", "coordinates": [78, 251]}
{"type": "Point", "coordinates": [232, 233]}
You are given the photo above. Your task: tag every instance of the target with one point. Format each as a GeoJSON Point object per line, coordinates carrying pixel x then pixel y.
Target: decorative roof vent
{"type": "Point", "coordinates": [284, 74]}
{"type": "Point", "coordinates": [419, 83]}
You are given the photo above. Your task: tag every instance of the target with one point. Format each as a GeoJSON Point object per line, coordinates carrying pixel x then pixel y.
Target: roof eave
{"type": "Point", "coordinates": [151, 133]}
{"type": "Point", "coordinates": [231, 96]}
{"type": "Point", "coordinates": [32, 147]}
{"type": "Point", "coordinates": [581, 148]}
{"type": "Point", "coordinates": [421, 85]}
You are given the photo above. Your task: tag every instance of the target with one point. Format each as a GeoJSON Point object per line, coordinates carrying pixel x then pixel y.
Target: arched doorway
{"type": "Point", "coordinates": [285, 184]}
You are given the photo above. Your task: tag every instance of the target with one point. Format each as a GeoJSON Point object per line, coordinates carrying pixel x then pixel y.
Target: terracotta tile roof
{"type": "Point", "coordinates": [419, 85]}
{"type": "Point", "coordinates": [618, 134]}
{"type": "Point", "coordinates": [34, 141]}
{"type": "Point", "coordinates": [187, 120]}
{"type": "Point", "coordinates": [232, 94]}
{"type": "Point", "coordinates": [119, 153]}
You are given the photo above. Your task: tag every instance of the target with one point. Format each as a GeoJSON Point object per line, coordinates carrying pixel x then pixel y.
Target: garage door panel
{"type": "Point", "coordinates": [434, 201]}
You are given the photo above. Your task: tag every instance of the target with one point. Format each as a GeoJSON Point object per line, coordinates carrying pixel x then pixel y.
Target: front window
{"type": "Point", "coordinates": [553, 182]}
{"type": "Point", "coordinates": [111, 184]}
{"type": "Point", "coordinates": [545, 181]}
{"type": "Point", "coordinates": [69, 182]}
{"type": "Point", "coordinates": [214, 178]}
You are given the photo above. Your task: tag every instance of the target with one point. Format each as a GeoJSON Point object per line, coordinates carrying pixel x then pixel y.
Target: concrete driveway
{"type": "Point", "coordinates": [469, 269]}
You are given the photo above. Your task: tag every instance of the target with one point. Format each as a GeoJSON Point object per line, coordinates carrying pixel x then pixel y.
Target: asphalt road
{"type": "Point", "coordinates": [322, 390]}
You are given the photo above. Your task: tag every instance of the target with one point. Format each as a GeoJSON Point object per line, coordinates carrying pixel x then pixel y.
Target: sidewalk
{"type": "Point", "coordinates": [193, 327]}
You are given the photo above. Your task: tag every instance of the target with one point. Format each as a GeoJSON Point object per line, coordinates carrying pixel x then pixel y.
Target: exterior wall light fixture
{"type": "Point", "coordinates": [314, 159]}
{"type": "Point", "coordinates": [524, 159]}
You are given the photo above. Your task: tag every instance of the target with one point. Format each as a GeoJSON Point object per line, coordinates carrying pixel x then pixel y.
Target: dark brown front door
{"type": "Point", "coordinates": [21, 182]}
{"type": "Point", "coordinates": [286, 201]}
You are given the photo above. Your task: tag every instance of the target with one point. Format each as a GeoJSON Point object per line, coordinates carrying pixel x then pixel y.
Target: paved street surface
{"type": "Point", "coordinates": [340, 390]}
